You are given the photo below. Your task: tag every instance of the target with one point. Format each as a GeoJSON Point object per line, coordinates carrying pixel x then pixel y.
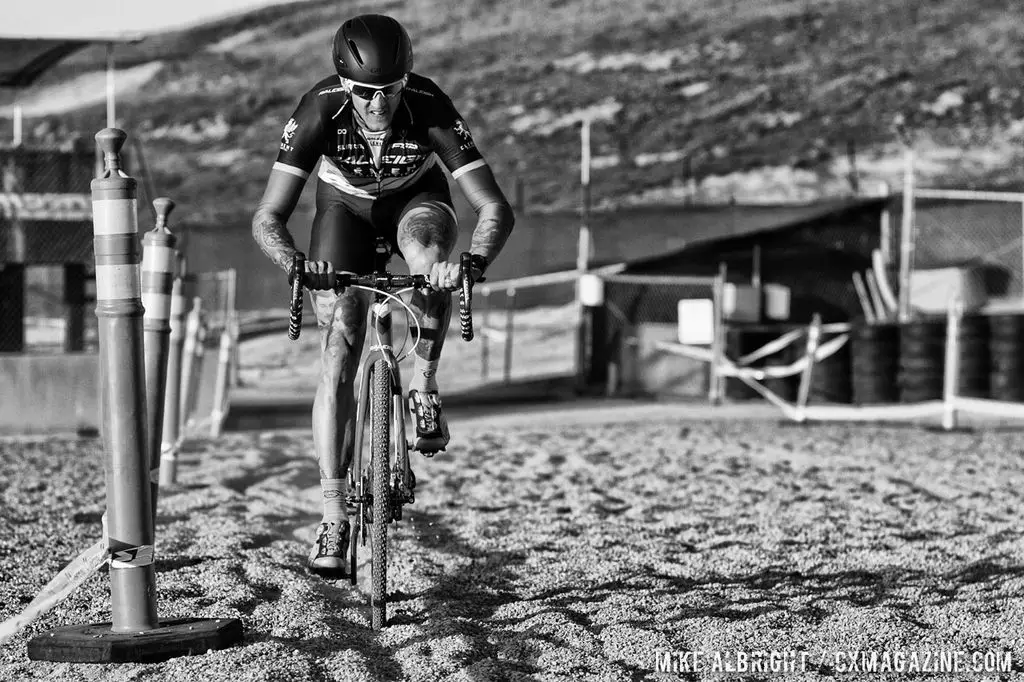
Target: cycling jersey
{"type": "Point", "coordinates": [425, 127]}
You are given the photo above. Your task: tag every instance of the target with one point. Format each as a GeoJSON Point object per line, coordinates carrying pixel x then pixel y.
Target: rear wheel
{"type": "Point", "coordinates": [380, 423]}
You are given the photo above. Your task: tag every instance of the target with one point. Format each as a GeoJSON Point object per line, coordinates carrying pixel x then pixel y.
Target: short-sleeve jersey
{"type": "Point", "coordinates": [426, 127]}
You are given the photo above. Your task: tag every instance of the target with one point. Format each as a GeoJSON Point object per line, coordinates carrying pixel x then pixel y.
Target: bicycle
{"type": "Point", "coordinates": [386, 480]}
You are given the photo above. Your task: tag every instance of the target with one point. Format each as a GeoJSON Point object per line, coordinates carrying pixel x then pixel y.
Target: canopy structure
{"type": "Point", "coordinates": [23, 59]}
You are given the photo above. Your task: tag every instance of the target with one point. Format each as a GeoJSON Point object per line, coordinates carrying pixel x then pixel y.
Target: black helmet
{"type": "Point", "coordinates": [372, 48]}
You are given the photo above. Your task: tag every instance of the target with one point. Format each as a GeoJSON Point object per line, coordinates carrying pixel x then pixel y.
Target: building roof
{"type": "Point", "coordinates": [23, 59]}
{"type": "Point", "coordinates": [719, 226]}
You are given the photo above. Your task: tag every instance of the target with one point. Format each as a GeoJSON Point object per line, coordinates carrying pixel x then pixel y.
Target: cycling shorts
{"type": "Point", "coordinates": [345, 227]}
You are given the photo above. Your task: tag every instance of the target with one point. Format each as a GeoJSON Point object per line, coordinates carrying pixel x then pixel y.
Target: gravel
{"type": "Point", "coordinates": [561, 545]}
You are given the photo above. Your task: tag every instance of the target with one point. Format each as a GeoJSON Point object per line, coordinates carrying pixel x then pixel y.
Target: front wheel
{"type": "Point", "coordinates": [380, 424]}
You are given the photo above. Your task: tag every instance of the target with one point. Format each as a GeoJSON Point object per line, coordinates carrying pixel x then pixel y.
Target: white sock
{"type": "Point", "coordinates": [334, 491]}
{"type": "Point", "coordinates": [424, 375]}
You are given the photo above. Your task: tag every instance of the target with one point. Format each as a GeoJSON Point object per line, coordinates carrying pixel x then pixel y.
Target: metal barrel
{"type": "Point", "coordinates": [159, 260]}
{"type": "Point", "coordinates": [123, 398]}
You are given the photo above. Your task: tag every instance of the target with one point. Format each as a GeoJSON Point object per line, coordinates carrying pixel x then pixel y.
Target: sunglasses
{"type": "Point", "coordinates": [370, 91]}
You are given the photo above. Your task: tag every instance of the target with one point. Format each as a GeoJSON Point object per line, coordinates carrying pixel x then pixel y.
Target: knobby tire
{"type": "Point", "coordinates": [380, 424]}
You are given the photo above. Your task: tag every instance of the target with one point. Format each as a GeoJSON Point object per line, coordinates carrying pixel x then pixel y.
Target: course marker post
{"type": "Point", "coordinates": [159, 259]}
{"type": "Point", "coordinates": [220, 388]}
{"type": "Point", "coordinates": [169, 441]}
{"type": "Point", "coordinates": [190, 355]}
{"type": "Point", "coordinates": [135, 634]}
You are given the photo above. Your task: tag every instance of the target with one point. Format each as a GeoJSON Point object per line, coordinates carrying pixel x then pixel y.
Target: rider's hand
{"type": "Point", "coordinates": [445, 276]}
{"type": "Point", "coordinates": [320, 275]}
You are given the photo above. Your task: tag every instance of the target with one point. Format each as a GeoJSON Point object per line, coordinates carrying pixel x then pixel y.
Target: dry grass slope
{"type": "Point", "coordinates": [741, 86]}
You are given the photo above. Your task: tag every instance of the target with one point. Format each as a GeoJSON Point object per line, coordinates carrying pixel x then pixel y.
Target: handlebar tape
{"type": "Point", "coordinates": [295, 312]}
{"type": "Point", "coordinates": [466, 300]}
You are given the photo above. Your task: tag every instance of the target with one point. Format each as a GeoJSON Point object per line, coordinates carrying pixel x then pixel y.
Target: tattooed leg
{"type": "Point", "coordinates": [426, 235]}
{"type": "Point", "coordinates": [342, 323]}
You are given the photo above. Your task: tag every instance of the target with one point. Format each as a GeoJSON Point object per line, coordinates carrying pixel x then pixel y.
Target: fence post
{"type": "Point", "coordinates": [583, 253]}
{"type": "Point", "coordinates": [951, 379]}
{"type": "Point", "coordinates": [906, 234]}
{"type": "Point", "coordinates": [716, 383]}
{"type": "Point", "coordinates": [592, 363]}
{"type": "Point", "coordinates": [804, 390]}
{"type": "Point", "coordinates": [510, 311]}
{"type": "Point", "coordinates": [485, 341]}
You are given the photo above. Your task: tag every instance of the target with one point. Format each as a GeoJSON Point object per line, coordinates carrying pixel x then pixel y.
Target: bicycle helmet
{"type": "Point", "coordinates": [372, 48]}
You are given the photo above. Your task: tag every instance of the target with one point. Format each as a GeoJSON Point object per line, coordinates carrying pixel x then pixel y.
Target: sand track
{"type": "Point", "coordinates": [559, 552]}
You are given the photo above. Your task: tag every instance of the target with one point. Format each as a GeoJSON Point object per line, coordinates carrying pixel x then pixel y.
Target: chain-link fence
{"type": "Point", "coordinates": [980, 230]}
{"type": "Point", "coordinates": [46, 248]}
{"type": "Point", "coordinates": [46, 234]}
{"type": "Point", "coordinates": [527, 330]}
{"type": "Point", "coordinates": [640, 311]}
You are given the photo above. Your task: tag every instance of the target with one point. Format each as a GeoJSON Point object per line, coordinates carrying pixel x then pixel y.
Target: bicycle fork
{"type": "Point", "coordinates": [403, 481]}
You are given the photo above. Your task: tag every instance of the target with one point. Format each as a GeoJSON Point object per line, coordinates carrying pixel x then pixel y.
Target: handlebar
{"type": "Point", "coordinates": [383, 281]}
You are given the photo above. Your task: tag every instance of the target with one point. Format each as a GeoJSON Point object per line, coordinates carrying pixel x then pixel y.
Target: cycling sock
{"type": "Point", "coordinates": [424, 377]}
{"type": "Point", "coordinates": [334, 490]}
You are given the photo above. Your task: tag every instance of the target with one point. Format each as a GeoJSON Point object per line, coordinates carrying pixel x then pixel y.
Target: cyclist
{"type": "Point", "coordinates": [378, 131]}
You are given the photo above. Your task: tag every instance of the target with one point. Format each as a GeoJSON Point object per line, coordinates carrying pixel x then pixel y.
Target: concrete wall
{"type": "Point", "coordinates": [49, 393]}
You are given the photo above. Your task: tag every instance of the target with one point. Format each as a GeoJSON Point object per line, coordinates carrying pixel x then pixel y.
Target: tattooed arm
{"type": "Point", "coordinates": [494, 216]}
{"type": "Point", "coordinates": [272, 213]}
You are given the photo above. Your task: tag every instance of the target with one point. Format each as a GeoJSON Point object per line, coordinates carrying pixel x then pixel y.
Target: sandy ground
{"type": "Point", "coordinates": [560, 545]}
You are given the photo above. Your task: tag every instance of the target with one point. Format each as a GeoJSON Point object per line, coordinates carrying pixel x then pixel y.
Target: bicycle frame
{"type": "Point", "coordinates": [381, 328]}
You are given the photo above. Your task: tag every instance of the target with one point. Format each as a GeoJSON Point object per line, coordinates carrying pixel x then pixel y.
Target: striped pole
{"type": "Point", "coordinates": [169, 440]}
{"type": "Point", "coordinates": [135, 634]}
{"type": "Point", "coordinates": [220, 387]}
{"type": "Point", "coordinates": [120, 312]}
{"type": "Point", "coordinates": [158, 262]}
{"type": "Point", "coordinates": [193, 323]}
{"type": "Point", "coordinates": [195, 385]}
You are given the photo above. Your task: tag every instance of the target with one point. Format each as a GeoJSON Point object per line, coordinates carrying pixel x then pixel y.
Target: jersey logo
{"type": "Point", "coordinates": [289, 130]}
{"type": "Point", "coordinates": [461, 129]}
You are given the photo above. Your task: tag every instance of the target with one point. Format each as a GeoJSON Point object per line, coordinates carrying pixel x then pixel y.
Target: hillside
{"type": "Point", "coordinates": [759, 99]}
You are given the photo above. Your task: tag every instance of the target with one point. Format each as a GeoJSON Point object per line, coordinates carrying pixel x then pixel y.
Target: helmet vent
{"type": "Point", "coordinates": [355, 51]}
